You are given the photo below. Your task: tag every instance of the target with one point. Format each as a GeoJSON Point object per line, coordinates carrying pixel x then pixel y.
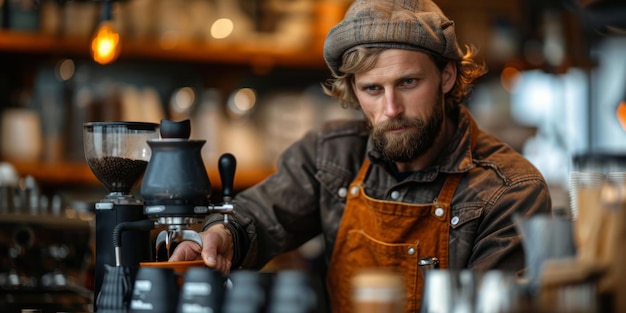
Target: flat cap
{"type": "Point", "coordinates": [405, 24]}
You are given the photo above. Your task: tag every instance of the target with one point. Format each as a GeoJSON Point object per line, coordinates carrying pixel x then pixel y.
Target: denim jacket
{"type": "Point", "coordinates": [307, 194]}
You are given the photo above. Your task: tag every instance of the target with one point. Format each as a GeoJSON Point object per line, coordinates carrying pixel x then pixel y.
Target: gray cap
{"type": "Point", "coordinates": [405, 24]}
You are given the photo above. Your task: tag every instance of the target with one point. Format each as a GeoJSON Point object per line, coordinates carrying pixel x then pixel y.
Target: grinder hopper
{"type": "Point", "coordinates": [117, 152]}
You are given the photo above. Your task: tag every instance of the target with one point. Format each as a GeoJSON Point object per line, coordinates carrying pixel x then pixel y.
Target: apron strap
{"type": "Point", "coordinates": [449, 187]}
{"type": "Point", "coordinates": [360, 177]}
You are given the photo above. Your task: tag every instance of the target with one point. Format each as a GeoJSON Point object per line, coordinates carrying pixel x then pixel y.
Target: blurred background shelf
{"type": "Point", "coordinates": [189, 51]}
{"type": "Point", "coordinates": [62, 173]}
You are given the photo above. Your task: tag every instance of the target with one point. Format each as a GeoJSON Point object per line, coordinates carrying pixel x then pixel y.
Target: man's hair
{"type": "Point", "coordinates": [361, 59]}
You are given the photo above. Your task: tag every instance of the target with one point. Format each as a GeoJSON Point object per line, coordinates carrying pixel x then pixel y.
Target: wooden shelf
{"type": "Point", "coordinates": [77, 173]}
{"type": "Point", "coordinates": [63, 173]}
{"type": "Point", "coordinates": [259, 54]}
{"type": "Point", "coordinates": [251, 54]}
{"type": "Point", "coordinates": [47, 220]}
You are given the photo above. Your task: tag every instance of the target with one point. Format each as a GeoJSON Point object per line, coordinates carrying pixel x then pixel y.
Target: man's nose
{"type": "Point", "coordinates": [393, 104]}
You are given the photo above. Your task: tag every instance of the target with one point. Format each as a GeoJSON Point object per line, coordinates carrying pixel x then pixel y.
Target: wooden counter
{"type": "Point", "coordinates": [78, 173]}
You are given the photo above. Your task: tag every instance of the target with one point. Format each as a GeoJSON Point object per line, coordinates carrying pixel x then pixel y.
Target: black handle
{"type": "Point", "coordinates": [226, 166]}
{"type": "Point", "coordinates": [171, 129]}
{"type": "Point", "coordinates": [143, 225]}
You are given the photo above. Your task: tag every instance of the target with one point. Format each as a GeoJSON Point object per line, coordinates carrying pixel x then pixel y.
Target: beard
{"type": "Point", "coordinates": [418, 137]}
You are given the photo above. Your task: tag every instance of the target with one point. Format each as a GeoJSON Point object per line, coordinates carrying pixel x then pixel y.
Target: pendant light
{"type": "Point", "coordinates": [105, 43]}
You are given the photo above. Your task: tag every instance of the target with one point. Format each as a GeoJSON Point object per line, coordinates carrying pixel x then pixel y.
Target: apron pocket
{"type": "Point", "coordinates": [364, 251]}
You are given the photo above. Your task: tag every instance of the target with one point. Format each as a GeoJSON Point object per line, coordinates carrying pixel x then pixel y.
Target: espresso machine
{"type": "Point", "coordinates": [175, 190]}
{"type": "Point", "coordinates": [117, 153]}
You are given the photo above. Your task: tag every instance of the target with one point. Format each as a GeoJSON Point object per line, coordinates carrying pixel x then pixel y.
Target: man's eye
{"type": "Point", "coordinates": [409, 81]}
{"type": "Point", "coordinates": [371, 88]}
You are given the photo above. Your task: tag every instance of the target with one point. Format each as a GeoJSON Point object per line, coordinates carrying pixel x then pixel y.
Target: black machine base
{"type": "Point", "coordinates": [135, 246]}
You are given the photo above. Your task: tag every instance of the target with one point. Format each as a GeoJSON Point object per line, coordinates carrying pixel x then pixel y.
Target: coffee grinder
{"type": "Point", "coordinates": [117, 153]}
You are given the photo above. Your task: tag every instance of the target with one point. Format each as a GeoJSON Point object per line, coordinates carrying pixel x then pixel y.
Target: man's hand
{"type": "Point", "coordinates": [216, 251]}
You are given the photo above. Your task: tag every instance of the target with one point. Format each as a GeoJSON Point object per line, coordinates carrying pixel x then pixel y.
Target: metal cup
{"type": "Point", "coordinates": [292, 292]}
{"type": "Point", "coordinates": [447, 291]}
{"type": "Point", "coordinates": [155, 290]}
{"type": "Point", "coordinates": [438, 294]}
{"type": "Point", "coordinates": [249, 292]}
{"type": "Point", "coordinates": [498, 291]}
{"type": "Point", "coordinates": [202, 291]}
{"type": "Point", "coordinates": [544, 238]}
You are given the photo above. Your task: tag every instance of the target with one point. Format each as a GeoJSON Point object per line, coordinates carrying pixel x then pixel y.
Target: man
{"type": "Point", "coordinates": [418, 178]}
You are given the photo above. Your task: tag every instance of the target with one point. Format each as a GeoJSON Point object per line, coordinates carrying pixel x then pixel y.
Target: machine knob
{"type": "Point", "coordinates": [226, 166]}
{"type": "Point", "coordinates": [172, 129]}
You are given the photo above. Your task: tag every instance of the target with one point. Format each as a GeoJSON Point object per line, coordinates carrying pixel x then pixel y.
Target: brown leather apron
{"type": "Point", "coordinates": [387, 234]}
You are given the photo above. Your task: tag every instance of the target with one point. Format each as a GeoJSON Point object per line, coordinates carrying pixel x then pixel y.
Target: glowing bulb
{"type": "Point", "coordinates": [222, 28]}
{"type": "Point", "coordinates": [105, 46]}
{"type": "Point", "coordinates": [241, 102]}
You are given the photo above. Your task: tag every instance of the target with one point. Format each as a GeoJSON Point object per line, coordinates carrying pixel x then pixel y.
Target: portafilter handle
{"type": "Point", "coordinates": [226, 166]}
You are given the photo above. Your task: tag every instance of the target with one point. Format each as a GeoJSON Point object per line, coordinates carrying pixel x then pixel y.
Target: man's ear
{"type": "Point", "coordinates": [448, 77]}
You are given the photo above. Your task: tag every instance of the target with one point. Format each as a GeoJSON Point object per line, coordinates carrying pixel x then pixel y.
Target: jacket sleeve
{"type": "Point", "coordinates": [280, 213]}
{"type": "Point", "coordinates": [498, 245]}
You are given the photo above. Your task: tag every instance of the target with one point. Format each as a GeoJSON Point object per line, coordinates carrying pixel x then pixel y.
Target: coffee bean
{"type": "Point", "coordinates": [116, 173]}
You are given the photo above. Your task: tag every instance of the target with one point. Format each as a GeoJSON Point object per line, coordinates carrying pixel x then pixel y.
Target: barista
{"type": "Point", "coordinates": [416, 178]}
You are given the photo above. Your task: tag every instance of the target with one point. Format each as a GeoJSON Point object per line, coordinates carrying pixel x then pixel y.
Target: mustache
{"type": "Point", "coordinates": [398, 123]}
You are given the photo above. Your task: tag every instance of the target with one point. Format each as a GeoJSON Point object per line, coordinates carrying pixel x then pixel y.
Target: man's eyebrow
{"type": "Point", "coordinates": [364, 84]}
{"type": "Point", "coordinates": [408, 75]}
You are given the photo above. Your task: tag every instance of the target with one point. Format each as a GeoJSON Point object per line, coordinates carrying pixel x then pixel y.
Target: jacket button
{"type": "Point", "coordinates": [342, 192]}
{"type": "Point", "coordinates": [455, 220]}
{"type": "Point", "coordinates": [395, 195]}
{"type": "Point", "coordinates": [439, 212]}
{"type": "Point", "coordinates": [411, 251]}
{"type": "Point", "coordinates": [354, 190]}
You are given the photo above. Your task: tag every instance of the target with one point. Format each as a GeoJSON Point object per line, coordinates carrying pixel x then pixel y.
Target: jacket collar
{"type": "Point", "coordinates": [456, 157]}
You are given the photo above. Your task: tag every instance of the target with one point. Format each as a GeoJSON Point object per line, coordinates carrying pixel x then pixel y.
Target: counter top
{"type": "Point", "coordinates": [78, 173]}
